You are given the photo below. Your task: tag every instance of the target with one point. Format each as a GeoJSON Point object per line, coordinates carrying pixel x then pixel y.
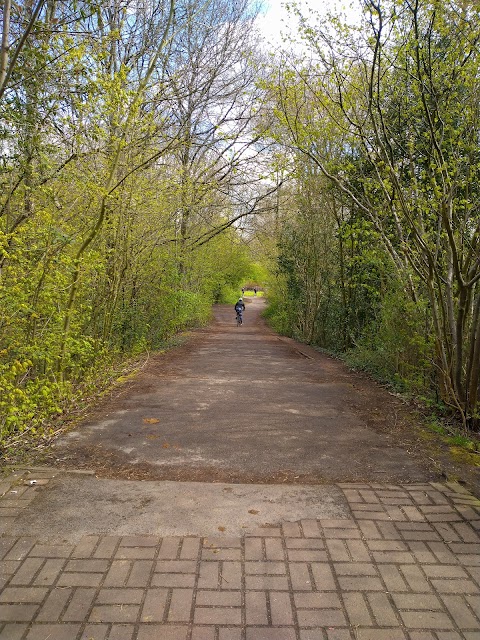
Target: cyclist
{"type": "Point", "coordinates": [240, 308]}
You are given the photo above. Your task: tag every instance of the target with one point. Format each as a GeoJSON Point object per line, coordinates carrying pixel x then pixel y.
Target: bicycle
{"type": "Point", "coordinates": [239, 318]}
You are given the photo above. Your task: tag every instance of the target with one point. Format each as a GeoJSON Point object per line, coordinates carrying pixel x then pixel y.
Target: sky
{"type": "Point", "coordinates": [276, 19]}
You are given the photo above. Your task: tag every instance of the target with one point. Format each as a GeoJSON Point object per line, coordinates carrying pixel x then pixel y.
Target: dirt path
{"type": "Point", "coordinates": [244, 405]}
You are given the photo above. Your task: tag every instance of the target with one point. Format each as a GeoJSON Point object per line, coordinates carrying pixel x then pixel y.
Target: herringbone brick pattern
{"type": "Point", "coordinates": [406, 566]}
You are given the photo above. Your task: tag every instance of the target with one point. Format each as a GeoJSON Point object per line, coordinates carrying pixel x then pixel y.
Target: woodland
{"type": "Point", "coordinates": [157, 155]}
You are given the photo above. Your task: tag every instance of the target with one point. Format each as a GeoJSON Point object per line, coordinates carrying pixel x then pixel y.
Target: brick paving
{"type": "Point", "coordinates": [405, 566]}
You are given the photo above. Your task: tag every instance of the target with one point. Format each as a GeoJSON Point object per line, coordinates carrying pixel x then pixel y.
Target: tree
{"type": "Point", "coordinates": [403, 96]}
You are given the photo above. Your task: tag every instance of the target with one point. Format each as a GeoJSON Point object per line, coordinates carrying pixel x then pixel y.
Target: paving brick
{"type": "Point", "coordinates": [163, 632]}
{"type": "Point", "coordinates": [281, 609]}
{"type": "Point", "coordinates": [446, 532]}
{"type": "Point", "coordinates": [310, 528]}
{"type": "Point", "coordinates": [229, 634]}
{"type": "Point", "coordinates": [13, 631]}
{"type": "Point", "coordinates": [9, 567]}
{"type": "Point", "coordinates": [50, 572]}
{"type": "Point", "coordinates": [380, 634]}
{"type": "Point", "coordinates": [272, 633]}
{"type": "Point", "coordinates": [53, 632]}
{"type": "Point", "coordinates": [358, 550]}
{"type": "Point", "coordinates": [51, 551]}
{"type": "Point", "coordinates": [231, 575]}
{"type": "Point", "coordinates": [355, 569]}
{"type": "Point", "coordinates": [80, 580]}
{"type": "Point", "coordinates": [265, 532]}
{"type": "Point", "coordinates": [393, 579]}
{"type": "Point", "coordinates": [218, 599]}
{"type": "Point", "coordinates": [54, 605]}
{"type": "Point", "coordinates": [190, 549]}
{"type": "Point", "coordinates": [140, 573]}
{"type": "Point", "coordinates": [323, 577]}
{"type": "Point", "coordinates": [218, 615]}
{"type": "Point", "coordinates": [27, 572]}
{"type": "Point", "coordinates": [455, 586]}
{"type": "Point", "coordinates": [387, 545]}
{"type": "Point", "coordinates": [426, 620]}
{"type": "Point", "coordinates": [382, 609]}
{"type": "Point", "coordinates": [321, 618]}
{"type": "Point", "coordinates": [20, 549]}
{"type": "Point", "coordinates": [23, 594]}
{"type": "Point", "coordinates": [122, 632]}
{"type": "Point", "coordinates": [413, 514]}
{"type": "Point", "coordinates": [442, 553]}
{"type": "Point", "coordinates": [223, 542]}
{"type": "Point", "coordinates": [357, 609]}
{"type": "Point", "coordinates": [140, 541]}
{"type": "Point", "coordinates": [349, 583]}
{"type": "Point", "coordinates": [154, 606]}
{"type": "Point", "coordinates": [17, 612]}
{"type": "Point", "coordinates": [291, 530]}
{"type": "Point", "coordinates": [338, 550]}
{"type": "Point", "coordinates": [180, 605]}
{"type": "Point", "coordinates": [176, 566]}
{"type": "Point", "coordinates": [203, 633]}
{"type": "Point", "coordinates": [274, 549]}
{"type": "Point", "coordinates": [466, 532]}
{"type": "Point", "coordinates": [389, 531]}
{"type": "Point", "coordinates": [119, 596]}
{"type": "Point", "coordinates": [266, 583]}
{"type": "Point", "coordinates": [85, 547]}
{"type": "Point", "coordinates": [117, 573]}
{"type": "Point", "coordinates": [221, 554]}
{"type": "Point", "coordinates": [415, 579]}
{"type": "Point", "coordinates": [307, 555]}
{"type": "Point", "coordinates": [474, 602]}
{"type": "Point", "coordinates": [325, 600]}
{"type": "Point", "coordinates": [265, 568]}
{"type": "Point", "coordinates": [256, 608]}
{"type": "Point", "coordinates": [304, 543]}
{"type": "Point", "coordinates": [393, 557]}
{"type": "Point", "coordinates": [369, 530]}
{"type": "Point", "coordinates": [95, 631]}
{"type": "Point", "coordinates": [88, 566]}
{"type": "Point", "coordinates": [444, 571]}
{"type": "Point", "coordinates": [421, 553]}
{"type": "Point", "coordinates": [79, 605]}
{"type": "Point", "coordinates": [300, 577]}
{"type": "Point", "coordinates": [460, 612]}
{"type": "Point", "coordinates": [169, 548]}
{"type": "Point", "coordinates": [417, 601]}
{"type": "Point", "coordinates": [209, 575]}
{"type": "Point", "coordinates": [333, 634]}
{"type": "Point", "coordinates": [114, 613]}
{"type": "Point", "coordinates": [107, 547]}
{"type": "Point", "coordinates": [254, 549]}
{"type": "Point", "coordinates": [135, 553]}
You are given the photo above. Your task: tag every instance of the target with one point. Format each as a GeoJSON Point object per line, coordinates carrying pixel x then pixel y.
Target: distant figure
{"type": "Point", "coordinates": [243, 291]}
{"type": "Point", "coordinates": [255, 291]}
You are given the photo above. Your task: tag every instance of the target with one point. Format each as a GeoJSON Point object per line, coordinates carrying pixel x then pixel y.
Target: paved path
{"type": "Point", "coordinates": [244, 405]}
{"type": "Point", "coordinates": [404, 566]}
{"type": "Point", "coordinates": [106, 558]}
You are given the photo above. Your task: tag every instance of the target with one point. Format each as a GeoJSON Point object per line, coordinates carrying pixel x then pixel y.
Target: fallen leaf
{"type": "Point", "coordinates": [165, 445]}
{"type": "Point", "coordinates": [221, 529]}
{"type": "Point", "coordinates": [254, 511]}
{"type": "Point", "coordinates": [150, 420]}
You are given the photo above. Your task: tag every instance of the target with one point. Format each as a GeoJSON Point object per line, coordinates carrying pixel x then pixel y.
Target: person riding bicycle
{"type": "Point", "coordinates": [239, 307]}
